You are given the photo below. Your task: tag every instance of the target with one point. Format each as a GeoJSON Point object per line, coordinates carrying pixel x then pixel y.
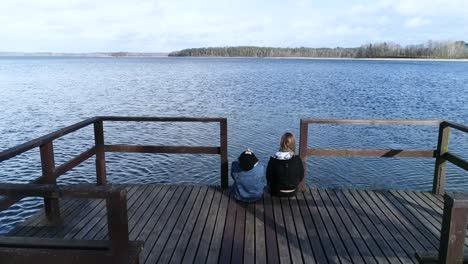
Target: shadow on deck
{"type": "Point", "coordinates": [205, 224]}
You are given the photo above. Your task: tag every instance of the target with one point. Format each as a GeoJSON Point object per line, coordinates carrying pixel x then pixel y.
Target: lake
{"type": "Point", "coordinates": [261, 98]}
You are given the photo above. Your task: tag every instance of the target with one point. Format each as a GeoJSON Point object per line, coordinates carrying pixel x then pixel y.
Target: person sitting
{"type": "Point", "coordinates": [248, 175]}
{"type": "Point", "coordinates": [285, 169]}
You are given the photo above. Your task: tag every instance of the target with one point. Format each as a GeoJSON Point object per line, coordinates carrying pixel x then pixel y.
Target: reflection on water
{"type": "Point", "coordinates": [261, 99]}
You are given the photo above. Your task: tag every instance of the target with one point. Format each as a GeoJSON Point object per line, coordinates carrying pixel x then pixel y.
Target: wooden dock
{"type": "Point", "coordinates": [201, 224]}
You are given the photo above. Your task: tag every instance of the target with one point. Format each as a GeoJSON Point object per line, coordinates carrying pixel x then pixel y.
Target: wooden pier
{"type": "Point", "coordinates": [111, 223]}
{"type": "Point", "coordinates": [200, 224]}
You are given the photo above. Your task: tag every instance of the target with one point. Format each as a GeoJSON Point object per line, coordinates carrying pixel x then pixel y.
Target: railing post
{"type": "Point", "coordinates": [452, 238]}
{"type": "Point", "coordinates": [51, 205]}
{"type": "Point", "coordinates": [304, 130]}
{"type": "Point", "coordinates": [101, 177]}
{"type": "Point", "coordinates": [117, 222]}
{"type": "Point", "coordinates": [438, 186]}
{"type": "Point", "coordinates": [224, 154]}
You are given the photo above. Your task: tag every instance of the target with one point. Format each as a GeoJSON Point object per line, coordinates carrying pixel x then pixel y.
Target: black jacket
{"type": "Point", "coordinates": [284, 174]}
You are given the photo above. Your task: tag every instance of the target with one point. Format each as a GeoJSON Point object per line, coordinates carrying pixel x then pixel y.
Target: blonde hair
{"type": "Point", "coordinates": [288, 143]}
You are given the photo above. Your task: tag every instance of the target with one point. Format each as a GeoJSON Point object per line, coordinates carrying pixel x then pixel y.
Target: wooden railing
{"type": "Point", "coordinates": [441, 154]}
{"type": "Point", "coordinates": [50, 172]}
{"type": "Point", "coordinates": [118, 249]}
{"type": "Point", "coordinates": [453, 232]}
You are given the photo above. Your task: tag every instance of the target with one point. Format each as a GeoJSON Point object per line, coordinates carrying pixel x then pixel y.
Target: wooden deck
{"type": "Point", "coordinates": [205, 224]}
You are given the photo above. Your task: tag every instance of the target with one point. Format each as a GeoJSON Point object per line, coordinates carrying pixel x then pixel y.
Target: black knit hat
{"type": "Point", "coordinates": [247, 160]}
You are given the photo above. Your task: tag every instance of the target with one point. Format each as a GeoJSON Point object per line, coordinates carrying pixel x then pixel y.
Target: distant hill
{"type": "Point", "coordinates": [430, 49]}
{"type": "Point", "coordinates": [90, 54]}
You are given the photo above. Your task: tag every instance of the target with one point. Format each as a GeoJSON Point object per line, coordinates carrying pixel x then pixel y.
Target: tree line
{"type": "Point", "coordinates": [430, 49]}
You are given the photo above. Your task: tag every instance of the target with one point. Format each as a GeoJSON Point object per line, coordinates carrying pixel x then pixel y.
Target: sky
{"type": "Point", "coordinates": [169, 25]}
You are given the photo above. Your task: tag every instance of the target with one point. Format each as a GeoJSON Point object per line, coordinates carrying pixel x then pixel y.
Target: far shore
{"type": "Point", "coordinates": [165, 55]}
{"type": "Point", "coordinates": [324, 58]}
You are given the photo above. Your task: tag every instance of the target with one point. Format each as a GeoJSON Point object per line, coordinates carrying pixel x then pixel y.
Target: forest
{"type": "Point", "coordinates": [428, 50]}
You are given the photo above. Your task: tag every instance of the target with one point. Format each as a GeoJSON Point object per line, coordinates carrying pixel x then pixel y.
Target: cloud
{"type": "Point", "coordinates": [416, 22]}
{"type": "Point", "coordinates": [166, 25]}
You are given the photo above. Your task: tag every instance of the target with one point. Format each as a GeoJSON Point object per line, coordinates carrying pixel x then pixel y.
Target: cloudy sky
{"type": "Point", "coordinates": [167, 25]}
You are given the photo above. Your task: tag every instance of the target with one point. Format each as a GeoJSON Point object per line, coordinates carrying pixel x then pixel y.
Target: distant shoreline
{"type": "Point", "coordinates": [324, 58]}
{"type": "Point", "coordinates": [165, 55]}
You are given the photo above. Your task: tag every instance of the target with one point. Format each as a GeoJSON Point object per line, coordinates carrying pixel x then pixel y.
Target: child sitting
{"type": "Point", "coordinates": [285, 169]}
{"type": "Point", "coordinates": [248, 175]}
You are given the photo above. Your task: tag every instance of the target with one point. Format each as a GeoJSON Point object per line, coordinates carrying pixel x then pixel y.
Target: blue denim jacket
{"type": "Point", "coordinates": [248, 185]}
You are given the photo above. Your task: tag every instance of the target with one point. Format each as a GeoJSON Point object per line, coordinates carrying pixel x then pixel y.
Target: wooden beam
{"type": "Point", "coordinates": [67, 166]}
{"type": "Point", "coordinates": [457, 126]}
{"type": "Point", "coordinates": [160, 119]}
{"type": "Point", "coordinates": [456, 160]}
{"type": "Point", "coordinates": [303, 152]}
{"type": "Point", "coordinates": [452, 237]}
{"type": "Point", "coordinates": [382, 153]}
{"type": "Point", "coordinates": [51, 205]}
{"type": "Point", "coordinates": [162, 149]}
{"type": "Point", "coordinates": [223, 150]}
{"type": "Point", "coordinates": [11, 152]}
{"type": "Point", "coordinates": [101, 175]}
{"type": "Point", "coordinates": [372, 122]}
{"type": "Point", "coordinates": [438, 185]}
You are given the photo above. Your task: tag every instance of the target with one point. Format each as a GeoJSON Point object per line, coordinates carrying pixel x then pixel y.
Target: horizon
{"type": "Point", "coordinates": [144, 26]}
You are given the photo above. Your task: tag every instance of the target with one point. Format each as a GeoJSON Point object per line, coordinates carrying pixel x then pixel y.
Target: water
{"type": "Point", "coordinates": [262, 98]}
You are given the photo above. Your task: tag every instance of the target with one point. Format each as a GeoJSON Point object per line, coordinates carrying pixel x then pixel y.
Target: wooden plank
{"type": "Point", "coordinates": [422, 207]}
{"type": "Point", "coordinates": [456, 160]}
{"type": "Point", "coordinates": [281, 233]}
{"type": "Point", "coordinates": [289, 223]}
{"type": "Point", "coordinates": [223, 150]}
{"type": "Point", "coordinates": [410, 206]}
{"type": "Point", "coordinates": [407, 217]}
{"type": "Point", "coordinates": [304, 242]}
{"type": "Point", "coordinates": [21, 228]}
{"type": "Point", "coordinates": [171, 243]}
{"type": "Point", "coordinates": [216, 240]}
{"type": "Point", "coordinates": [162, 149]}
{"type": "Point", "coordinates": [433, 199]}
{"type": "Point", "coordinates": [331, 229]}
{"type": "Point", "coordinates": [207, 235]}
{"type": "Point", "coordinates": [460, 127]}
{"type": "Point", "coordinates": [178, 216]}
{"type": "Point", "coordinates": [34, 242]}
{"type": "Point", "coordinates": [12, 152]}
{"type": "Point", "coordinates": [160, 119]}
{"type": "Point", "coordinates": [228, 233]}
{"type": "Point", "coordinates": [101, 174]}
{"type": "Point", "coordinates": [194, 240]}
{"type": "Point", "coordinates": [270, 233]}
{"type": "Point", "coordinates": [325, 239]}
{"type": "Point", "coordinates": [186, 233]}
{"type": "Point", "coordinates": [405, 228]}
{"type": "Point", "coordinates": [259, 242]}
{"type": "Point", "coordinates": [311, 232]}
{"type": "Point", "coordinates": [376, 244]}
{"type": "Point", "coordinates": [156, 211]}
{"type": "Point", "coordinates": [303, 151]}
{"type": "Point", "coordinates": [382, 153]}
{"type": "Point", "coordinates": [344, 224]}
{"type": "Point", "coordinates": [77, 160]}
{"type": "Point", "coordinates": [99, 231]}
{"type": "Point", "coordinates": [438, 185]}
{"type": "Point", "coordinates": [72, 218]}
{"type": "Point", "coordinates": [387, 223]}
{"type": "Point", "coordinates": [249, 234]}
{"type": "Point", "coordinates": [237, 254]}
{"type": "Point", "coordinates": [185, 204]}
{"type": "Point", "coordinates": [373, 122]}
{"type": "Point", "coordinates": [378, 229]}
{"type": "Point", "coordinates": [95, 222]}
{"type": "Point", "coordinates": [343, 235]}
